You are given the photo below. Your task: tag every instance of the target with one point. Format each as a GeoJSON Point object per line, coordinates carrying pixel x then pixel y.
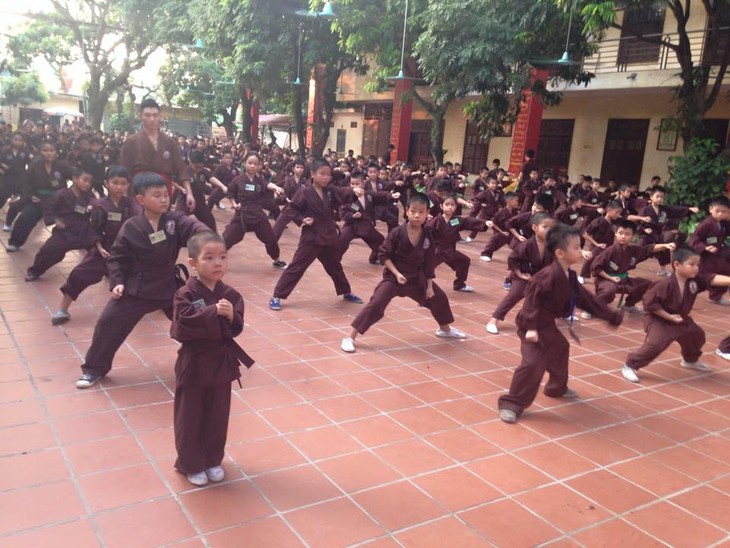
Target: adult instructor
{"type": "Point", "coordinates": [151, 150]}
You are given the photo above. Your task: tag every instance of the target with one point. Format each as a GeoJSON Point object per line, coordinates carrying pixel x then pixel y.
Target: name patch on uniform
{"type": "Point", "coordinates": [113, 216]}
{"type": "Point", "coordinates": [426, 243]}
{"type": "Point", "coordinates": [613, 265]}
{"type": "Point", "coordinates": [157, 237]}
{"type": "Point", "coordinates": [454, 222]}
{"type": "Point", "coordinates": [662, 218]}
{"type": "Point", "coordinates": [712, 240]}
{"type": "Point", "coordinates": [199, 304]}
{"type": "Point", "coordinates": [355, 207]}
{"type": "Point", "coordinates": [80, 209]}
{"type": "Point", "coordinates": [166, 155]}
{"type": "Point", "coordinates": [249, 187]}
{"type": "Point", "coordinates": [633, 261]}
{"type": "Point", "coordinates": [170, 227]}
{"type": "Point", "coordinates": [574, 216]}
{"type": "Point", "coordinates": [54, 183]}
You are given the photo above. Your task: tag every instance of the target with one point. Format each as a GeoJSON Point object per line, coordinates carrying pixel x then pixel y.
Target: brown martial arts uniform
{"type": "Point", "coordinates": [317, 241]}
{"type": "Point", "coordinates": [207, 362]}
{"type": "Point", "coordinates": [660, 333]}
{"type": "Point", "coordinates": [106, 221]}
{"type": "Point", "coordinates": [72, 230]}
{"type": "Point", "coordinates": [522, 224]}
{"type": "Point", "coordinates": [485, 205]}
{"type": "Point", "coordinates": [550, 294]}
{"type": "Point", "coordinates": [724, 345]}
{"type": "Point", "coordinates": [291, 187]}
{"type": "Point", "coordinates": [655, 232]}
{"type": "Point", "coordinates": [711, 233]}
{"type": "Point", "coordinates": [364, 227]}
{"type": "Point", "coordinates": [143, 261]}
{"type": "Point", "coordinates": [601, 230]}
{"type": "Point", "coordinates": [42, 184]}
{"type": "Point", "coordinates": [139, 155]}
{"type": "Point", "coordinates": [417, 264]}
{"type": "Point", "coordinates": [251, 195]}
{"type": "Point", "coordinates": [526, 259]}
{"type": "Point", "coordinates": [617, 260]}
{"type": "Point", "coordinates": [503, 236]}
{"type": "Point", "coordinates": [225, 175]}
{"type": "Point", "coordinates": [198, 184]}
{"type": "Point", "coordinates": [445, 235]}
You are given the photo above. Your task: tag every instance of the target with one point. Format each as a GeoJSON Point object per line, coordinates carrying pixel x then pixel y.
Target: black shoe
{"type": "Point", "coordinates": [279, 264]}
{"type": "Point", "coordinates": [30, 277]}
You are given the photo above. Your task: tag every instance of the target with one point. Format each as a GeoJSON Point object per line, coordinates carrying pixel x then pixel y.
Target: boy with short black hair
{"type": "Point", "coordinates": [667, 306]}
{"type": "Point", "coordinates": [207, 316]}
{"type": "Point", "coordinates": [711, 239]}
{"type": "Point", "coordinates": [408, 254]}
{"type": "Point", "coordinates": [600, 234]}
{"type": "Point", "coordinates": [141, 268]}
{"type": "Point", "coordinates": [552, 293]}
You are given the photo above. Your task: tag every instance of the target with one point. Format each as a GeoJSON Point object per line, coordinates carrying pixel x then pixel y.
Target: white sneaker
{"type": "Point", "coordinates": [663, 274]}
{"type": "Point", "coordinates": [508, 416]}
{"type": "Point", "coordinates": [724, 301]}
{"type": "Point", "coordinates": [199, 479]}
{"type": "Point", "coordinates": [581, 280]}
{"type": "Point", "coordinates": [586, 315]}
{"type": "Point", "coordinates": [466, 289]}
{"type": "Point", "coordinates": [221, 206]}
{"type": "Point", "coordinates": [723, 355]}
{"type": "Point", "coordinates": [571, 319]}
{"type": "Point", "coordinates": [452, 333]}
{"type": "Point", "coordinates": [633, 310]}
{"type": "Point", "coordinates": [469, 240]}
{"type": "Point", "coordinates": [348, 344]}
{"type": "Point", "coordinates": [697, 366]}
{"type": "Point", "coordinates": [6, 228]}
{"type": "Point", "coordinates": [215, 474]}
{"type": "Point", "coordinates": [485, 258]}
{"type": "Point", "coordinates": [492, 328]}
{"type": "Point", "coordinates": [629, 374]}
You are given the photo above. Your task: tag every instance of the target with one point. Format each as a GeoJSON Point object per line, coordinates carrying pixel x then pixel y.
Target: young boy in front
{"type": "Point", "coordinates": [552, 293]}
{"type": "Point", "coordinates": [141, 268]}
{"type": "Point", "coordinates": [408, 254]}
{"type": "Point", "coordinates": [207, 315]}
{"type": "Point", "coordinates": [668, 305]}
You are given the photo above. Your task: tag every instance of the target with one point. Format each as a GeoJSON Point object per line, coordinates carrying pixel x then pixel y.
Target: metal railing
{"type": "Point", "coordinates": [634, 54]}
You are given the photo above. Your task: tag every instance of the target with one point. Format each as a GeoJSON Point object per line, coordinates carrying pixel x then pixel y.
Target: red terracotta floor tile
{"type": "Point", "coordinates": [462, 445]}
{"type": "Point", "coordinates": [267, 455]}
{"type": "Point", "coordinates": [707, 503]}
{"type": "Point", "coordinates": [432, 391]}
{"type": "Point", "coordinates": [344, 408]}
{"type": "Point", "coordinates": [334, 523]}
{"type": "Point", "coordinates": [141, 394]}
{"type": "Point", "coordinates": [508, 473]}
{"type": "Point", "coordinates": [26, 438]}
{"type": "Point", "coordinates": [508, 436]}
{"type": "Point", "coordinates": [457, 488]}
{"type": "Point", "coordinates": [653, 476]}
{"type": "Point", "coordinates": [158, 443]}
{"type": "Point", "coordinates": [294, 418]}
{"type": "Point", "coordinates": [148, 417]}
{"type": "Point", "coordinates": [498, 523]}
{"type": "Point", "coordinates": [34, 468]}
{"type": "Point", "coordinates": [611, 491]}
{"type": "Point", "coordinates": [107, 454]}
{"type": "Point", "coordinates": [413, 457]}
{"type": "Point", "coordinates": [225, 505]}
{"type": "Point", "coordinates": [465, 411]}
{"type": "Point", "coordinates": [675, 526]}
{"type": "Point", "coordinates": [90, 427]}
{"type": "Point", "coordinates": [270, 532]}
{"type": "Point", "coordinates": [295, 487]}
{"type": "Point", "coordinates": [597, 448]}
{"type": "Point", "coordinates": [443, 532]}
{"type": "Point", "coordinates": [390, 399]}
{"type": "Point", "coordinates": [562, 507]}
{"type": "Point", "coordinates": [16, 504]}
{"type": "Point", "coordinates": [423, 420]}
{"type": "Point", "coordinates": [320, 443]}
{"type": "Point", "coordinates": [635, 437]}
{"type": "Point", "coordinates": [398, 505]}
{"type": "Point", "coordinates": [20, 412]}
{"type": "Point", "coordinates": [375, 431]}
{"type": "Point", "coordinates": [269, 396]}
{"type": "Point", "coordinates": [358, 471]}
{"type": "Point", "coordinates": [615, 532]}
{"type": "Point", "coordinates": [692, 463]}
{"type": "Point", "coordinates": [148, 524]}
{"type": "Point", "coordinates": [79, 533]}
{"type": "Point", "coordinates": [116, 488]}
{"type": "Point", "coordinates": [555, 460]}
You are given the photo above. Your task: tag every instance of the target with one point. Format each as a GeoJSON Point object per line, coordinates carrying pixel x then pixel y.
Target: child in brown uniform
{"type": "Point", "coordinates": [552, 293]}
{"type": "Point", "coordinates": [312, 210]}
{"type": "Point", "coordinates": [207, 316]}
{"type": "Point", "coordinates": [711, 239]}
{"type": "Point", "coordinates": [667, 306]}
{"type": "Point", "coordinates": [408, 254]}
{"type": "Point", "coordinates": [71, 208]}
{"type": "Point", "coordinates": [107, 217]}
{"type": "Point", "coordinates": [141, 267]}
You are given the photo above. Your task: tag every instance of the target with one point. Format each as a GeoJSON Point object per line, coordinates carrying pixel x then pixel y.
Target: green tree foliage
{"type": "Point", "coordinates": [701, 77]}
{"type": "Point", "coordinates": [112, 37]}
{"type": "Point", "coordinates": [22, 89]}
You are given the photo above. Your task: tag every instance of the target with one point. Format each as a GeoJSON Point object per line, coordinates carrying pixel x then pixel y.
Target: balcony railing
{"type": "Point", "coordinates": [634, 54]}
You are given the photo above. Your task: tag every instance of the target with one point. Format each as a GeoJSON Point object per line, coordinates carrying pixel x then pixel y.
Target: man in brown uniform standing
{"type": "Point", "coordinates": [151, 150]}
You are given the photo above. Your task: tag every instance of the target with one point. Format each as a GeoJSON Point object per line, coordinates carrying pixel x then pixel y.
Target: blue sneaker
{"type": "Point", "coordinates": [352, 298]}
{"type": "Point", "coordinates": [275, 303]}
{"type": "Point", "coordinates": [507, 285]}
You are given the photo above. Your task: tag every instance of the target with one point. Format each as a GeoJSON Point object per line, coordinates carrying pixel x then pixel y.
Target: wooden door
{"type": "Point", "coordinates": [623, 154]}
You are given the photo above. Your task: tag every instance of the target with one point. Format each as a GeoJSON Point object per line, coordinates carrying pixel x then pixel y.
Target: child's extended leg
{"type": "Point", "coordinates": [373, 312]}
{"type": "Point", "coordinates": [659, 335]}
{"type": "Point", "coordinates": [515, 295]}
{"type": "Point", "coordinates": [51, 252]}
{"type": "Point", "coordinates": [89, 271]}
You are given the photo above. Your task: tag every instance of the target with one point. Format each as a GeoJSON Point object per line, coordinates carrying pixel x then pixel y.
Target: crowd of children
{"type": "Point", "coordinates": [134, 229]}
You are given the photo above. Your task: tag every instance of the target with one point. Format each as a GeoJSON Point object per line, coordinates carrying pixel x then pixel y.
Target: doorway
{"type": "Point", "coordinates": [623, 154]}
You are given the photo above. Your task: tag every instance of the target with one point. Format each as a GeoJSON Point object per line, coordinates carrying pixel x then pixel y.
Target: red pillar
{"type": "Point", "coordinates": [255, 111]}
{"type": "Point", "coordinates": [314, 106]}
{"type": "Point", "coordinates": [400, 128]}
{"type": "Point", "coordinates": [526, 131]}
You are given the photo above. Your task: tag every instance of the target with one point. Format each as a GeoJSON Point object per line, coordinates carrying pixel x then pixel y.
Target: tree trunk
{"type": "Point", "coordinates": [438, 115]}
{"type": "Point", "coordinates": [324, 114]}
{"type": "Point", "coordinates": [229, 120]}
{"type": "Point", "coordinates": [246, 119]}
{"type": "Point", "coordinates": [299, 120]}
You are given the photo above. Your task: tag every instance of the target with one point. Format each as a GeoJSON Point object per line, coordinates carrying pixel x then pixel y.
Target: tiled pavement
{"type": "Point", "coordinates": [398, 444]}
